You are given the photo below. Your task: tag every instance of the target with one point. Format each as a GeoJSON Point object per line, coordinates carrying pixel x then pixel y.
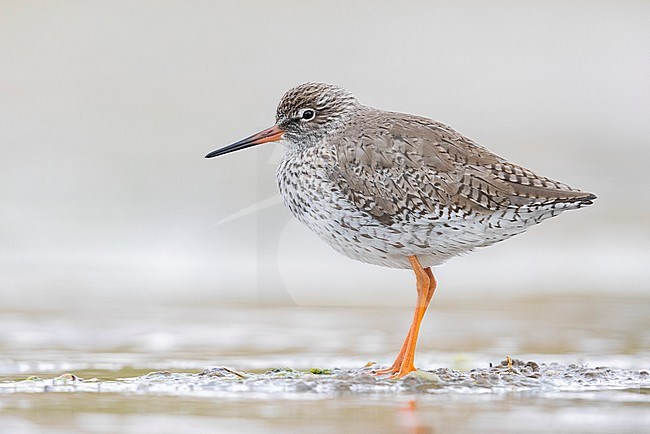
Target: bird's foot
{"type": "Point", "coordinates": [395, 372]}
{"type": "Point", "coordinates": [384, 371]}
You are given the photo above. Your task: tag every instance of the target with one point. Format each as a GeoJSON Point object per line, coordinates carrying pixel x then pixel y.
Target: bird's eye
{"type": "Point", "coordinates": [307, 114]}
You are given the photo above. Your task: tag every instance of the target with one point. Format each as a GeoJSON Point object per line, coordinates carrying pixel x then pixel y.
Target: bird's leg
{"type": "Point", "coordinates": [398, 360]}
{"type": "Point", "coordinates": [395, 367]}
{"type": "Point", "coordinates": [426, 286]}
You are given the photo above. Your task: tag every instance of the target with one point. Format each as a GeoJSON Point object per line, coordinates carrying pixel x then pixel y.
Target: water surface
{"type": "Point", "coordinates": [580, 365]}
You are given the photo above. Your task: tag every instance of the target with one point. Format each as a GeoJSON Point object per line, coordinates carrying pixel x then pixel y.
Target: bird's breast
{"type": "Point", "coordinates": [304, 183]}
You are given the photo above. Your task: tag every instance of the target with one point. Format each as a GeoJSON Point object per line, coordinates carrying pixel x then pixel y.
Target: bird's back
{"type": "Point", "coordinates": [398, 166]}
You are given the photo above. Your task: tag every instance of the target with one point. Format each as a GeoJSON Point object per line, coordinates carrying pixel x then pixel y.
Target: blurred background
{"type": "Point", "coordinates": [107, 109]}
{"type": "Point", "coordinates": [123, 251]}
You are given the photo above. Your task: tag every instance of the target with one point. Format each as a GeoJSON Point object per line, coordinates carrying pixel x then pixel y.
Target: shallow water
{"type": "Point", "coordinates": [580, 365]}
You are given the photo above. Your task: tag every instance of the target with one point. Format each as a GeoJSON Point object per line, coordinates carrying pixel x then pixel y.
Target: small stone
{"type": "Point", "coordinates": [423, 375]}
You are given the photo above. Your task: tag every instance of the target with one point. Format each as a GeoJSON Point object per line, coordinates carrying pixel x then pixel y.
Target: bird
{"type": "Point", "coordinates": [399, 190]}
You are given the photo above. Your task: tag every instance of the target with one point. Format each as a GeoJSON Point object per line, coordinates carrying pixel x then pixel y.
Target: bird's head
{"type": "Point", "coordinates": [305, 115]}
{"type": "Point", "coordinates": [308, 112]}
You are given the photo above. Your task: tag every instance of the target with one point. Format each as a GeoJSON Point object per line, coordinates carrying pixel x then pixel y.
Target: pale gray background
{"type": "Point", "coordinates": [108, 107]}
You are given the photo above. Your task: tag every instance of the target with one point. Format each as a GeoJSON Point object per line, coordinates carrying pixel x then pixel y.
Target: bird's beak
{"type": "Point", "coordinates": [272, 134]}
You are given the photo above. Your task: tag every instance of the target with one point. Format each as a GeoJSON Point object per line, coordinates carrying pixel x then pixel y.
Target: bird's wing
{"type": "Point", "coordinates": [416, 166]}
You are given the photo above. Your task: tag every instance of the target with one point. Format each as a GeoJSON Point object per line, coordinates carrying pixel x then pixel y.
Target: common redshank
{"type": "Point", "coordinates": [399, 190]}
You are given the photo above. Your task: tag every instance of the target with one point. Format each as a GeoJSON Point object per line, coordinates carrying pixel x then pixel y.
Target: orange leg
{"type": "Point", "coordinates": [426, 286]}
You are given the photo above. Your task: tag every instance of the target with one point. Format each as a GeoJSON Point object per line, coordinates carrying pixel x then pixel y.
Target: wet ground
{"type": "Point", "coordinates": [579, 365]}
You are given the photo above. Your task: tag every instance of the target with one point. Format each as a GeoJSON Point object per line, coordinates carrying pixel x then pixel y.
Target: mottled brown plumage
{"type": "Point", "coordinates": [422, 165]}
